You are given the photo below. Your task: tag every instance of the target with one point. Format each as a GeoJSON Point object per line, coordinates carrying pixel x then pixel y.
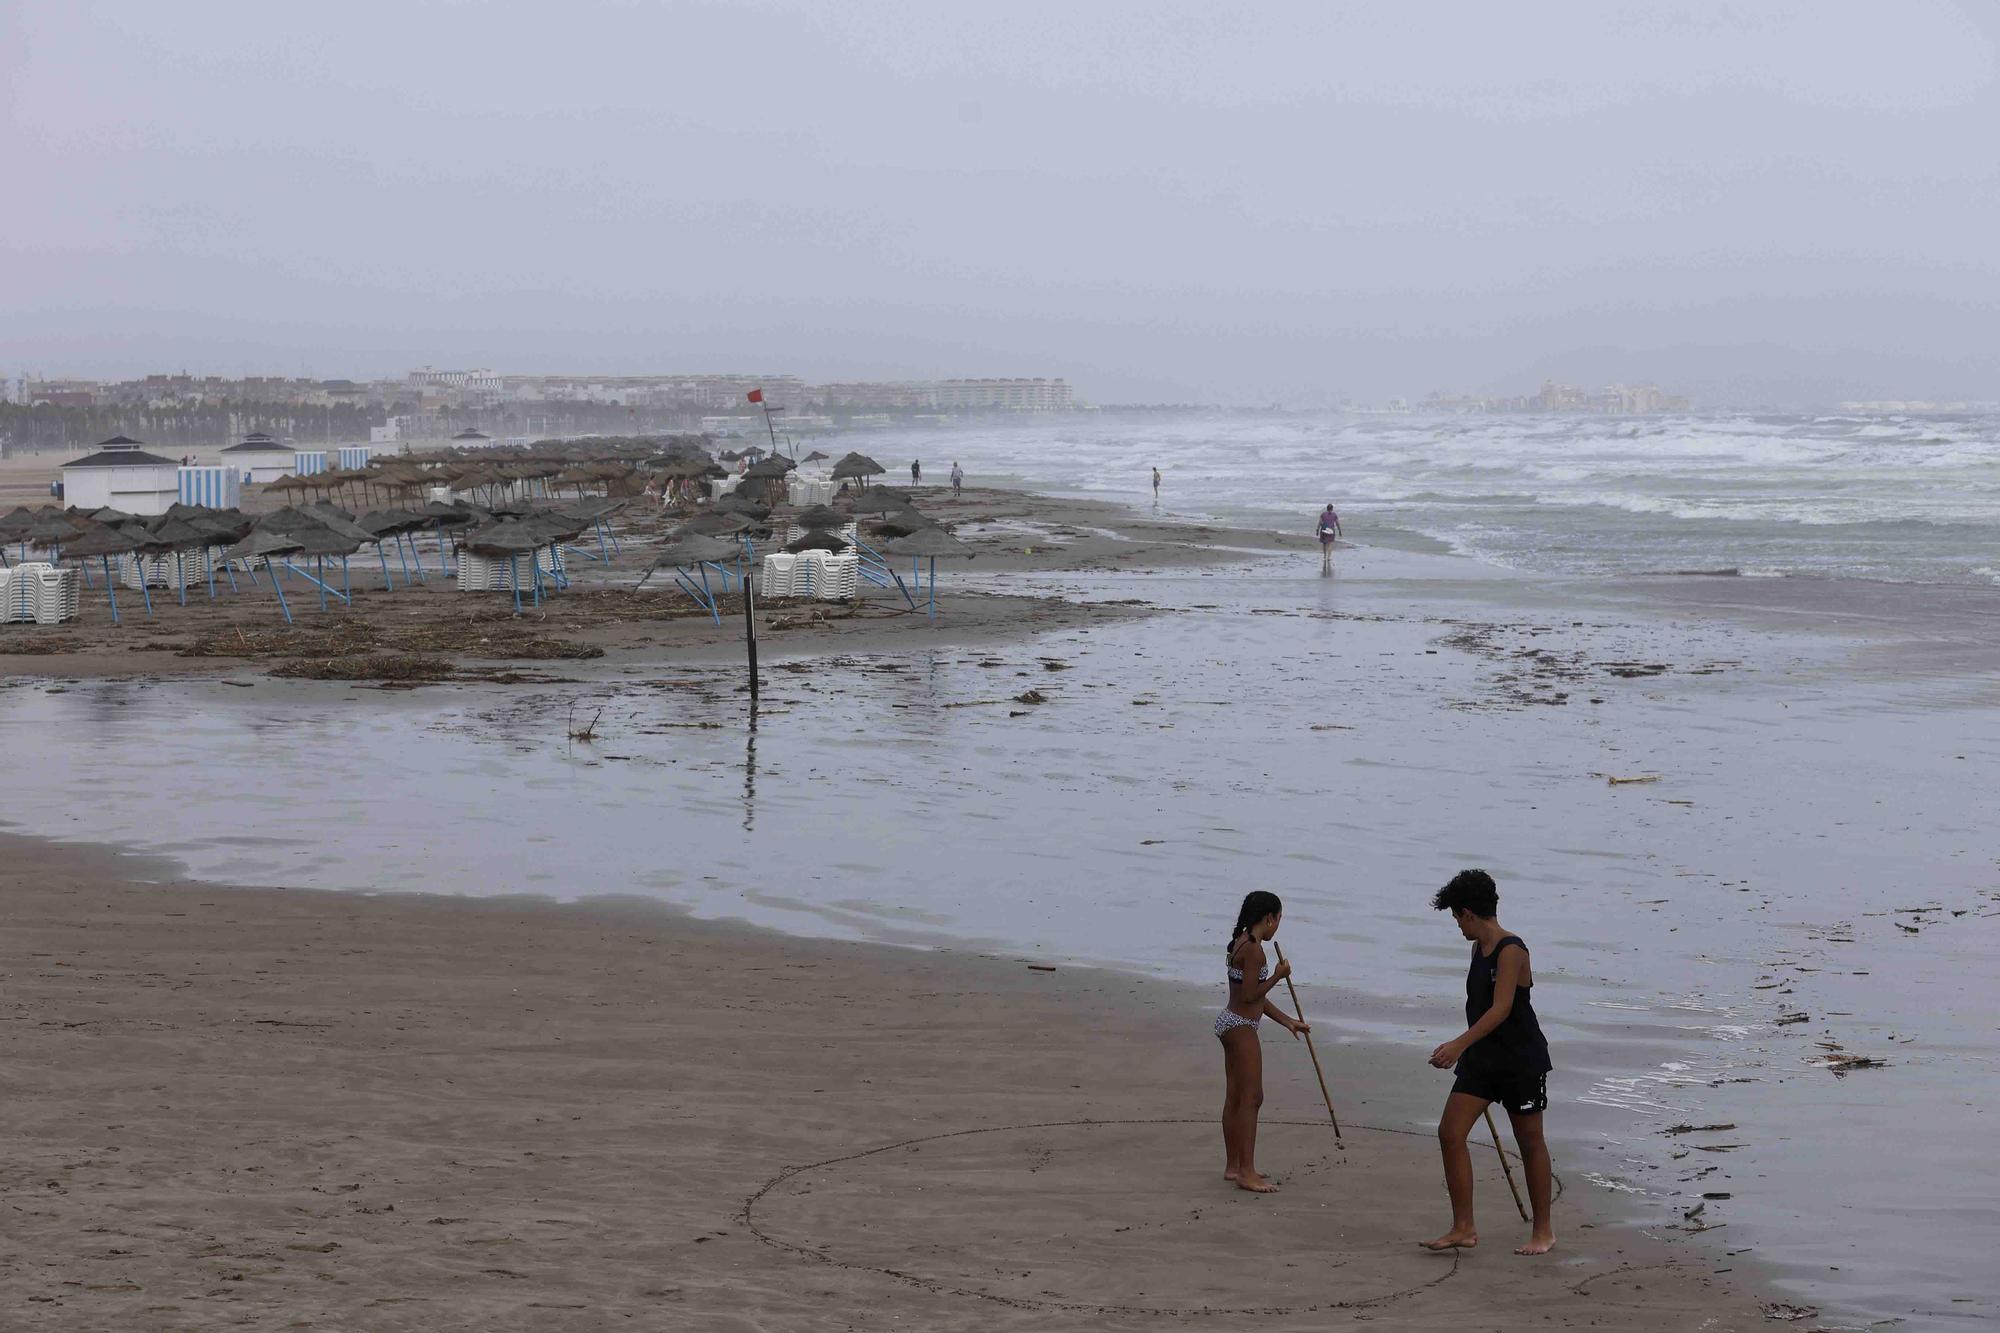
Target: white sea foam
{"type": "Point", "coordinates": [1844, 495]}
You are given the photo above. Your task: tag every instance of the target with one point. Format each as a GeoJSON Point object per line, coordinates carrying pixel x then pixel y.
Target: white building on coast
{"type": "Point", "coordinates": [122, 475]}
{"type": "Point", "coordinates": [259, 458]}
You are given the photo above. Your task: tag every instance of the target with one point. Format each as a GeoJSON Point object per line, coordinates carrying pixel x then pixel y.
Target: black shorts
{"type": "Point", "coordinates": [1521, 1093]}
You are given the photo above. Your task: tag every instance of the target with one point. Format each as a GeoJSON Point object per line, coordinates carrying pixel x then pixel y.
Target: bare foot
{"type": "Point", "coordinates": [1231, 1173]}
{"type": "Point", "coordinates": [1256, 1184]}
{"type": "Point", "coordinates": [1541, 1242]}
{"type": "Point", "coordinates": [1455, 1239]}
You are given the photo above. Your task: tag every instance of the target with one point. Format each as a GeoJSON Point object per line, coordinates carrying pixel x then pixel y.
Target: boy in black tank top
{"type": "Point", "coordinates": [1500, 1057]}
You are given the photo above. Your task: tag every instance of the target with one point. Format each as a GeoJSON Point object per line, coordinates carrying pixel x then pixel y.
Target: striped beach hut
{"type": "Point", "coordinates": [308, 462]}
{"type": "Point", "coordinates": [352, 457]}
{"type": "Point", "coordinates": [219, 487]}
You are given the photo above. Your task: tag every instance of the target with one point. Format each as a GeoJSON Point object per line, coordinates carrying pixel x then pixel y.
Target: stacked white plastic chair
{"type": "Point", "coordinates": [61, 595]}
{"type": "Point", "coordinates": [809, 574]}
{"type": "Point", "coordinates": [778, 577]}
{"type": "Point", "coordinates": [39, 594]}
{"type": "Point", "coordinates": [842, 576]}
{"type": "Point", "coordinates": [161, 571]}
{"type": "Point", "coordinates": [478, 573]}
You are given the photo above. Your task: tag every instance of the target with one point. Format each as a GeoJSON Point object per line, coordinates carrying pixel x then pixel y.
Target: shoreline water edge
{"type": "Point", "coordinates": [1755, 959]}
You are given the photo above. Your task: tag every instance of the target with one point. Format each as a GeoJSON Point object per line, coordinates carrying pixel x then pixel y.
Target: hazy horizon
{"type": "Point", "coordinates": [1751, 204]}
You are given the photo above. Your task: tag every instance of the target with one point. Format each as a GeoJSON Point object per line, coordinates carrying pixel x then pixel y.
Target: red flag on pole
{"type": "Point", "coordinates": [755, 395]}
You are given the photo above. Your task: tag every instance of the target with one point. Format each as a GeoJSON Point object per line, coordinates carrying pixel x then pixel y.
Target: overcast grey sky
{"type": "Point", "coordinates": [1237, 203]}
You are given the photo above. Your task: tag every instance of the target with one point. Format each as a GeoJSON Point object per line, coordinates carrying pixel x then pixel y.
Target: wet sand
{"type": "Point", "coordinates": [1200, 707]}
{"type": "Point", "coordinates": [300, 1109]}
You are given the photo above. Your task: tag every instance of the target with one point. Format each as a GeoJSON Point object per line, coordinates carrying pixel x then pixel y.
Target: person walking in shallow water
{"type": "Point", "coordinates": [1156, 488]}
{"type": "Point", "coordinates": [1236, 1026]}
{"type": "Point", "coordinates": [1329, 533]}
{"type": "Point", "coordinates": [1500, 1057]}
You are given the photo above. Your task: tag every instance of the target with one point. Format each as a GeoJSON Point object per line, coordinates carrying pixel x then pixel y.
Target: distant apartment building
{"type": "Point", "coordinates": [464, 381]}
{"type": "Point", "coordinates": [1614, 400]}
{"type": "Point", "coordinates": [874, 396]}
{"type": "Point", "coordinates": [1011, 395]}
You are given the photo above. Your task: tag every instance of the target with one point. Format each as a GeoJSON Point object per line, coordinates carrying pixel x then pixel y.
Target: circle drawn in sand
{"type": "Point", "coordinates": [1120, 1217]}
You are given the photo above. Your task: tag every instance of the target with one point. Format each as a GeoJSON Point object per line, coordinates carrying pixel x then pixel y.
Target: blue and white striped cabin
{"type": "Point", "coordinates": [353, 456]}
{"type": "Point", "coordinates": [309, 462]}
{"type": "Point", "coordinates": [216, 487]}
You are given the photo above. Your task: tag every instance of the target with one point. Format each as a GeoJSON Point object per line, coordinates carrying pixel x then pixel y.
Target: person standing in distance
{"type": "Point", "coordinates": [1329, 533]}
{"type": "Point", "coordinates": [916, 471]}
{"type": "Point", "coordinates": [957, 481]}
{"type": "Point", "coordinates": [1156, 488]}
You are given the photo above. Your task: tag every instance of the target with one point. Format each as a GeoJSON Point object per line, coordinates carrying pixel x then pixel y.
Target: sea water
{"type": "Point", "coordinates": [1910, 498]}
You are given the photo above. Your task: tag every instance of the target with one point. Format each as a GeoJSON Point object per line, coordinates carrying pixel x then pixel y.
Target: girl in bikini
{"type": "Point", "coordinates": [1236, 1027]}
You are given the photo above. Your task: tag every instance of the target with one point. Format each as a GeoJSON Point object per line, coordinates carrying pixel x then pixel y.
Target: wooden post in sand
{"type": "Point", "coordinates": [1300, 1010]}
{"type": "Point", "coordinates": [750, 625]}
{"type": "Point", "coordinates": [1512, 1188]}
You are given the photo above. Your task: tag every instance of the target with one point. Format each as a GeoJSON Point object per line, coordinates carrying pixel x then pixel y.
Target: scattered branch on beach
{"type": "Point", "coordinates": [1626, 782]}
{"type": "Point", "coordinates": [588, 732]}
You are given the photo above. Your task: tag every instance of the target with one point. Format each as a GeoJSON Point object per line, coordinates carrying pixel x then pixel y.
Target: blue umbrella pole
{"type": "Point", "coordinates": [181, 577]}
{"type": "Point", "coordinates": [208, 568]}
{"type": "Point", "coordinates": [388, 584]}
{"type": "Point", "coordinates": [535, 560]}
{"type": "Point", "coordinates": [145, 589]}
{"type": "Point", "coordinates": [277, 586]}
{"type": "Point", "coordinates": [514, 573]}
{"type": "Point", "coordinates": [600, 542]}
{"type": "Point", "coordinates": [229, 569]}
{"type": "Point", "coordinates": [346, 583]}
{"type": "Point", "coordinates": [933, 587]}
{"type": "Point", "coordinates": [111, 586]}
{"type": "Point", "coordinates": [319, 569]}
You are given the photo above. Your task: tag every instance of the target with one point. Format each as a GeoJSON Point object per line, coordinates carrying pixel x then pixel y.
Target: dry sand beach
{"type": "Point", "coordinates": [270, 1108]}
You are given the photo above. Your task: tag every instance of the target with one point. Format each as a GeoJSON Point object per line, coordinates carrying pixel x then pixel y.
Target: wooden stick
{"type": "Point", "coordinates": [1300, 1011]}
{"type": "Point", "coordinates": [1494, 1130]}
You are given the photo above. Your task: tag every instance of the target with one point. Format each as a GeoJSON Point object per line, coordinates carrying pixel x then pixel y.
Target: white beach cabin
{"type": "Point", "coordinates": [122, 475]}
{"type": "Point", "coordinates": [259, 458]}
{"type": "Point", "coordinates": [471, 439]}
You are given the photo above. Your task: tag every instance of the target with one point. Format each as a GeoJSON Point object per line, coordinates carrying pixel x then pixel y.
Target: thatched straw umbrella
{"type": "Point", "coordinates": [168, 535]}
{"type": "Point", "coordinates": [857, 467]}
{"type": "Point", "coordinates": [929, 544]}
{"type": "Point", "coordinates": [265, 543]}
{"type": "Point", "coordinates": [509, 541]}
{"type": "Point", "coordinates": [104, 543]}
{"type": "Point", "coordinates": [818, 540]}
{"type": "Point", "coordinates": [881, 500]}
{"type": "Point", "coordinates": [821, 516]}
{"type": "Point", "coordinates": [697, 552]}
